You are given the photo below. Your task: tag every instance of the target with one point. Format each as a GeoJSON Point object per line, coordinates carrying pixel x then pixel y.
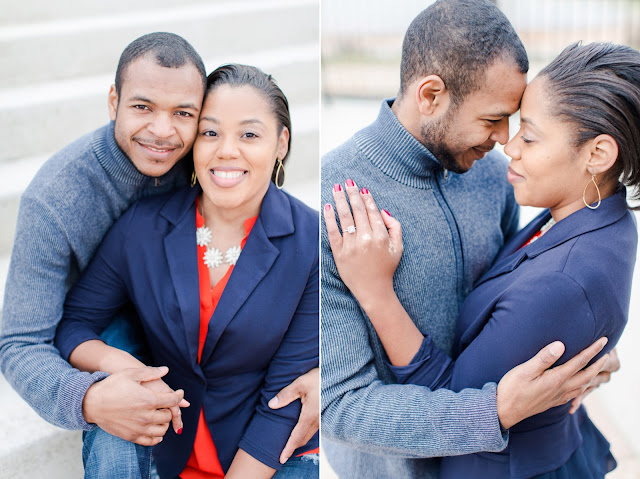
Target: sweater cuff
{"type": "Point", "coordinates": [503, 440]}
{"type": "Point", "coordinates": [72, 392]}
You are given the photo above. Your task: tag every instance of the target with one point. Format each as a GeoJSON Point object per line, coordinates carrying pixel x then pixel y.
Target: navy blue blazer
{"type": "Point", "coordinates": [263, 334]}
{"type": "Point", "coordinates": [573, 285]}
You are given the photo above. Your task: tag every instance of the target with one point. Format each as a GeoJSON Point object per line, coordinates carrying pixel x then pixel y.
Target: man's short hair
{"type": "Point", "coordinates": [458, 40]}
{"type": "Point", "coordinates": [169, 51]}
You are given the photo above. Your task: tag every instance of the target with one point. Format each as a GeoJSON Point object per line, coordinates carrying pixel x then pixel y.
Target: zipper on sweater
{"type": "Point", "coordinates": [157, 183]}
{"type": "Point", "coordinates": [455, 233]}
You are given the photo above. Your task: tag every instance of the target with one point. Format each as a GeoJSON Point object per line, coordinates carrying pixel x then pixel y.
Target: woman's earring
{"type": "Point", "coordinates": [194, 179]}
{"type": "Point", "coordinates": [280, 169]}
{"type": "Point", "coordinates": [592, 180]}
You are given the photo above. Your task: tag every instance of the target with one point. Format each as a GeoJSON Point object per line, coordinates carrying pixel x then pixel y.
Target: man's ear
{"type": "Point", "coordinates": [112, 101]}
{"type": "Point", "coordinates": [603, 153]}
{"type": "Point", "coordinates": [432, 96]}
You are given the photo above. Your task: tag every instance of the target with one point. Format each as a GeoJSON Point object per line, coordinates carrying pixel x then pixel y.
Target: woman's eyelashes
{"type": "Point", "coordinates": [525, 139]}
{"type": "Point", "coordinates": [247, 134]}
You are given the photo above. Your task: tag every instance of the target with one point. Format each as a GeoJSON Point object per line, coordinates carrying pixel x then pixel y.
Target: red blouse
{"type": "Point", "coordinates": [203, 462]}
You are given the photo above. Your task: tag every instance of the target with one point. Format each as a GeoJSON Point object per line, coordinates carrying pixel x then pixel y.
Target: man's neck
{"type": "Point", "coordinates": [408, 115]}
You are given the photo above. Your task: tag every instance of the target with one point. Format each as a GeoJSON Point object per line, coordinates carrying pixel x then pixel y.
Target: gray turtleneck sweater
{"type": "Point", "coordinates": [64, 213]}
{"type": "Point", "coordinates": [453, 226]}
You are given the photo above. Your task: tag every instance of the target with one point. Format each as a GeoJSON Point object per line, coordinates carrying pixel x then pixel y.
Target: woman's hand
{"type": "Point", "coordinates": [368, 251]}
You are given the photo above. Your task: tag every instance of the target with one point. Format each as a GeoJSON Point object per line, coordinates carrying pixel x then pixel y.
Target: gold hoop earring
{"type": "Point", "coordinates": [280, 169]}
{"type": "Point", "coordinates": [592, 180]}
{"type": "Point", "coordinates": [194, 179]}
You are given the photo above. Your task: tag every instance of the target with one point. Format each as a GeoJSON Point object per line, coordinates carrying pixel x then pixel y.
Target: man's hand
{"type": "Point", "coordinates": [532, 387]}
{"type": "Point", "coordinates": [160, 387]}
{"type": "Point", "coordinates": [121, 406]}
{"type": "Point", "coordinates": [611, 366]}
{"type": "Point", "coordinates": [307, 388]}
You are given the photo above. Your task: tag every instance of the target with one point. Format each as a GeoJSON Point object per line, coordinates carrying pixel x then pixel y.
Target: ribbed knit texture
{"type": "Point", "coordinates": [64, 213]}
{"type": "Point", "coordinates": [453, 227]}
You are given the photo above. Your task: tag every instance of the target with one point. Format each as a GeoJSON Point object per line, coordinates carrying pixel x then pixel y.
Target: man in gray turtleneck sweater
{"type": "Point", "coordinates": [463, 73]}
{"type": "Point", "coordinates": [65, 212]}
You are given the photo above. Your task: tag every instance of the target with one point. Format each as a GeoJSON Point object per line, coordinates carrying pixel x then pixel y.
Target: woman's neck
{"type": "Point", "coordinates": [607, 189]}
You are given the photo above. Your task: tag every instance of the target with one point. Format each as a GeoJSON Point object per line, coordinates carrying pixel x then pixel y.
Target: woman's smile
{"type": "Point", "coordinates": [227, 177]}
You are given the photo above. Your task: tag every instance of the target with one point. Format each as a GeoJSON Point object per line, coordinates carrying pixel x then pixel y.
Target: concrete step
{"type": "Point", "coordinates": [30, 447]}
{"type": "Point", "coordinates": [45, 117]}
{"type": "Point", "coordinates": [39, 11]}
{"type": "Point", "coordinates": [91, 45]}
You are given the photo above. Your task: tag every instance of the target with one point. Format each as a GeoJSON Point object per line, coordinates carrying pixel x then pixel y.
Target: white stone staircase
{"type": "Point", "coordinates": [59, 59]}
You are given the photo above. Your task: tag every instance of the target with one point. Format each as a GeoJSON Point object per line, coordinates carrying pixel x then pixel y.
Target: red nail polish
{"type": "Point", "coordinates": [364, 191]}
{"type": "Point", "coordinates": [350, 183]}
{"type": "Point", "coordinates": [388, 213]}
{"type": "Point", "coordinates": [179, 431]}
{"type": "Point", "coordinates": [337, 187]}
{"type": "Point", "coordinates": [327, 207]}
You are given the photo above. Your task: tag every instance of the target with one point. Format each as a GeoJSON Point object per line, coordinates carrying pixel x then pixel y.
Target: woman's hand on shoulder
{"type": "Point", "coordinates": [368, 250]}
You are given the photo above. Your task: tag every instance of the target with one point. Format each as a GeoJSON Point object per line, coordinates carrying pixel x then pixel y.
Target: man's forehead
{"type": "Point", "coordinates": [147, 71]}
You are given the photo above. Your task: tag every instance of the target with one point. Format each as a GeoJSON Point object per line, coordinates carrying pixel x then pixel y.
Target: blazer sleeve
{"type": "Point", "coordinates": [402, 420]}
{"type": "Point", "coordinates": [99, 294]}
{"type": "Point", "coordinates": [532, 313]}
{"type": "Point", "coordinates": [297, 354]}
{"type": "Point", "coordinates": [41, 262]}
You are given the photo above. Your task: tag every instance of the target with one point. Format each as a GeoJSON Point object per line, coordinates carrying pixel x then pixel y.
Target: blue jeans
{"type": "Point", "coordinates": [302, 467]}
{"type": "Point", "coordinates": [305, 467]}
{"type": "Point", "coordinates": [109, 457]}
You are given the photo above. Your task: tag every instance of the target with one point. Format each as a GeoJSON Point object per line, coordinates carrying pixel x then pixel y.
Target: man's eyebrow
{"type": "Point", "coordinates": [140, 98]}
{"type": "Point", "coordinates": [182, 106]}
{"type": "Point", "coordinates": [188, 106]}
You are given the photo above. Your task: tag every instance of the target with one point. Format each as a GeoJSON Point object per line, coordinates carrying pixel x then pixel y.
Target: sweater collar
{"type": "Point", "coordinates": [390, 147]}
{"type": "Point", "coordinates": [113, 159]}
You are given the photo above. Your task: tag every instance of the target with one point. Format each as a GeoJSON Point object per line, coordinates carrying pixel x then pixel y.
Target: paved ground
{"type": "Point", "coordinates": [613, 408]}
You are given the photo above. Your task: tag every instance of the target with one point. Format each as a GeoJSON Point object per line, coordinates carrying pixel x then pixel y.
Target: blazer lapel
{"type": "Point", "coordinates": [580, 222]}
{"type": "Point", "coordinates": [256, 259]}
{"type": "Point", "coordinates": [182, 258]}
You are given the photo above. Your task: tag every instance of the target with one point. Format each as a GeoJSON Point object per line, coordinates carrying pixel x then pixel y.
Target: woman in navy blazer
{"type": "Point", "coordinates": [566, 276]}
{"type": "Point", "coordinates": [264, 331]}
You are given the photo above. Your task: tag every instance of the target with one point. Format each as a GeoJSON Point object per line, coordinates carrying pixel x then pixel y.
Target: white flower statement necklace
{"type": "Point", "coordinates": [213, 256]}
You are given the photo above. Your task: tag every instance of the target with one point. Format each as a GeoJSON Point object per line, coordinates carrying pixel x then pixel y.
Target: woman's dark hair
{"type": "Point", "coordinates": [237, 75]}
{"type": "Point", "coordinates": [596, 87]}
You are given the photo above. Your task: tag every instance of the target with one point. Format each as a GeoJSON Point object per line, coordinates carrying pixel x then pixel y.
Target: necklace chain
{"type": "Point", "coordinates": [213, 257]}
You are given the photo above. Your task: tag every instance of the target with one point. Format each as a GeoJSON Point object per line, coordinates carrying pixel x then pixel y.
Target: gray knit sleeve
{"type": "Point", "coordinates": [403, 420]}
{"type": "Point", "coordinates": [34, 295]}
